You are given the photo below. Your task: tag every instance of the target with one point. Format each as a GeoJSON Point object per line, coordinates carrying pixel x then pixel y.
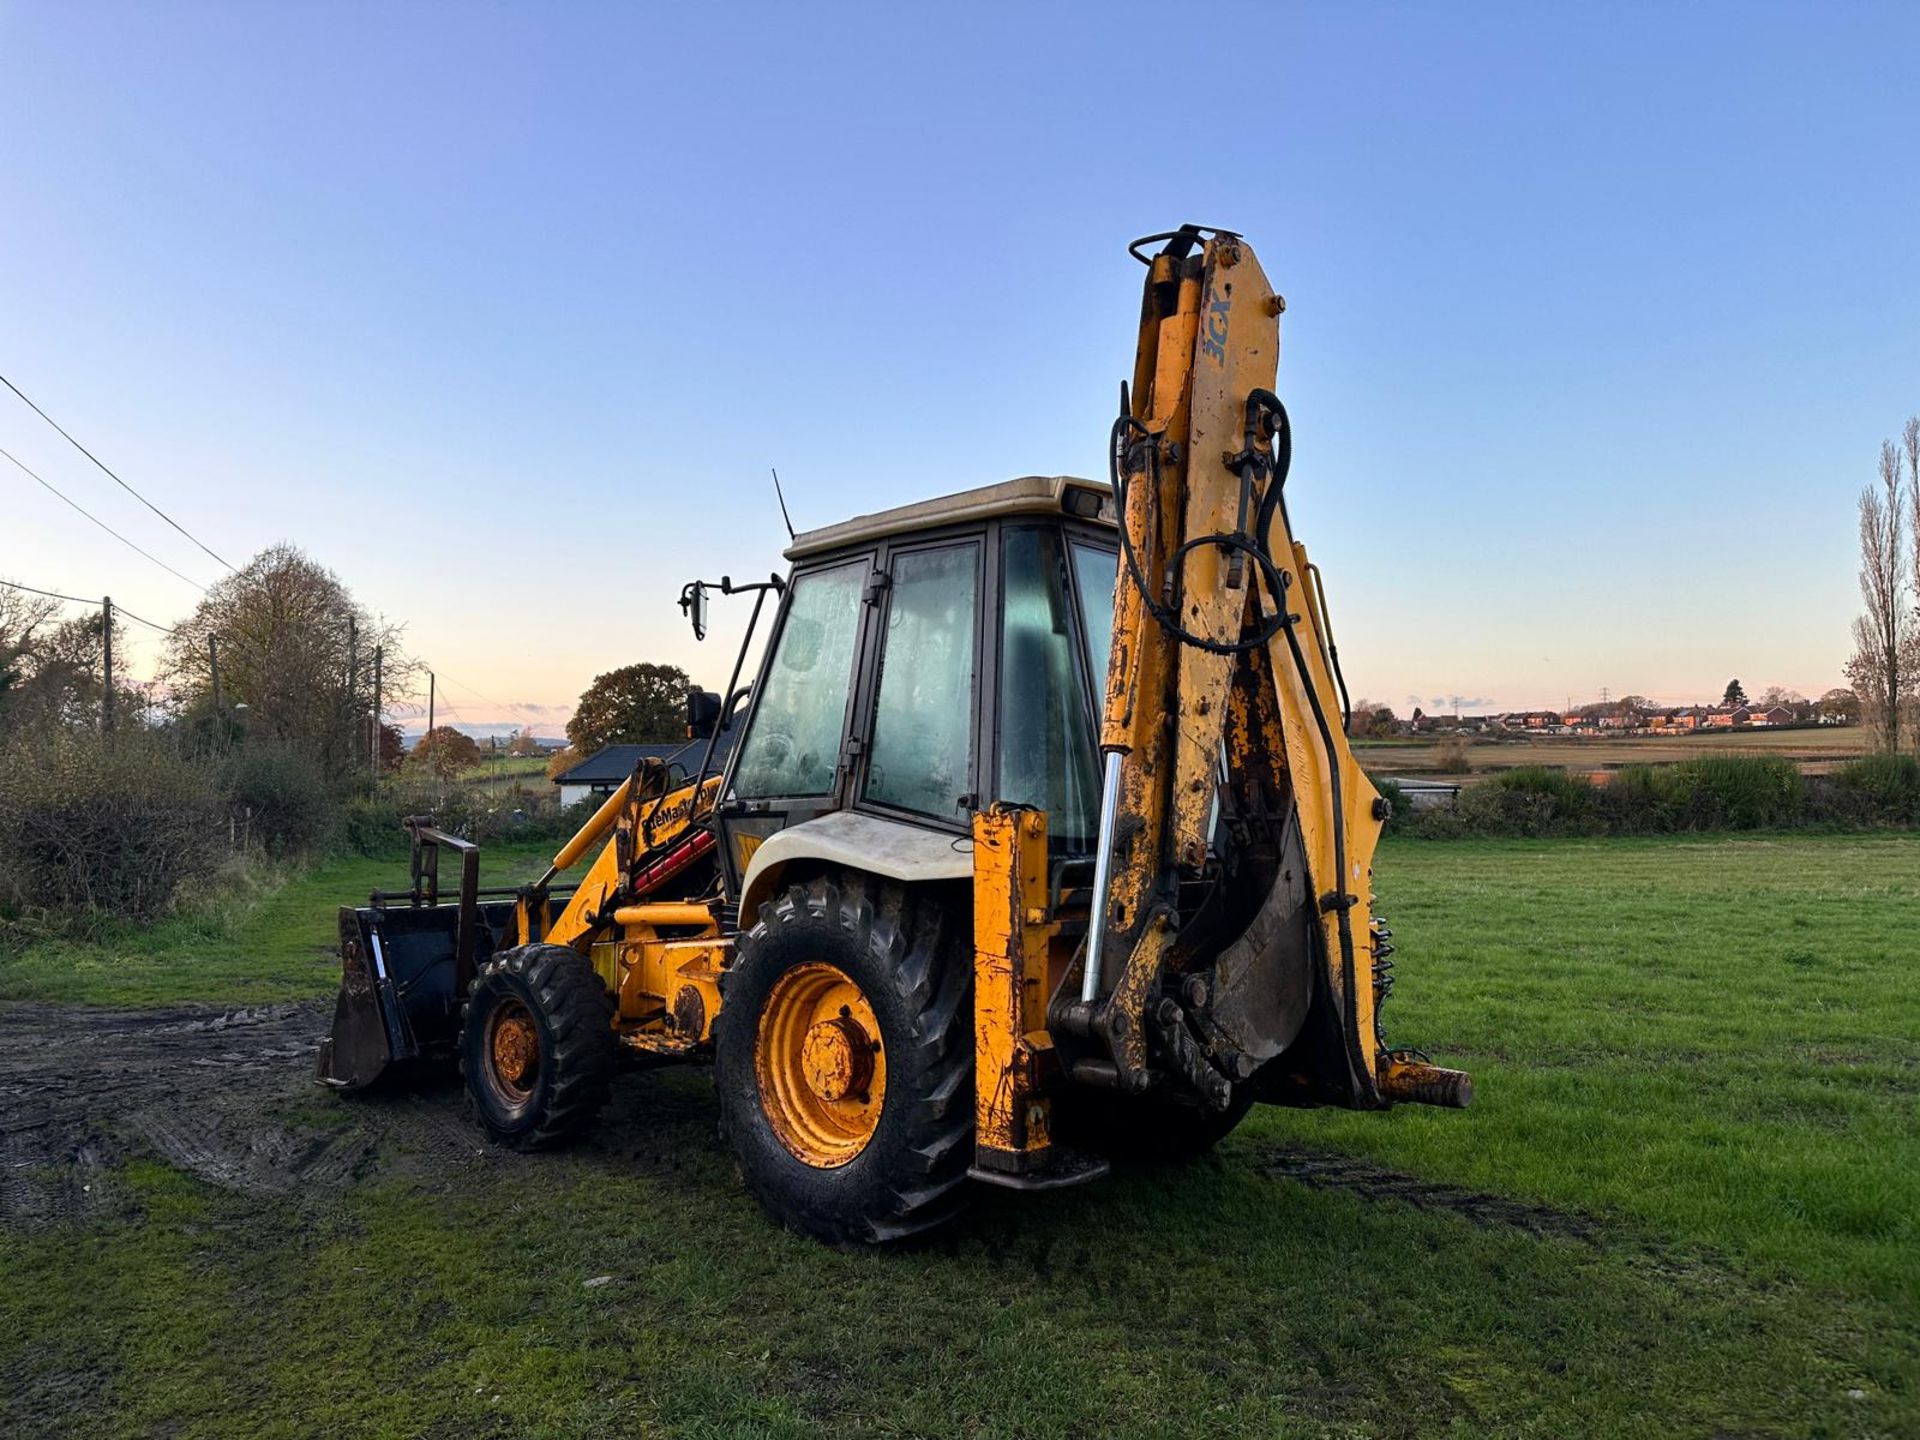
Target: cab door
{"type": "Point", "coordinates": [795, 760]}
{"type": "Point", "coordinates": [918, 748]}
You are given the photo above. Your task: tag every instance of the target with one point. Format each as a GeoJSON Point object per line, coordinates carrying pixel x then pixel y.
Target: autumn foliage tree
{"type": "Point", "coordinates": [1371, 718]}
{"type": "Point", "coordinates": [634, 705]}
{"type": "Point", "coordinates": [446, 752]}
{"type": "Point", "coordinates": [393, 748]}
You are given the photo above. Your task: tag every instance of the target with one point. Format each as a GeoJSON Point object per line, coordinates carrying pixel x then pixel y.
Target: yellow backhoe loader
{"type": "Point", "coordinates": [1041, 842]}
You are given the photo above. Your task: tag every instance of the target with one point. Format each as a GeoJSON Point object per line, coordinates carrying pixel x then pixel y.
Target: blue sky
{"type": "Point", "coordinates": [1596, 318]}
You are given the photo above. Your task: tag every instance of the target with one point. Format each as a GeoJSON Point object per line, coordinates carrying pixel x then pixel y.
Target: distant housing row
{"type": "Point", "coordinates": [1679, 720]}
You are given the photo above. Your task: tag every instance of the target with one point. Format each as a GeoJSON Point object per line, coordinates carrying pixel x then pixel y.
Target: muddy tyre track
{"type": "Point", "coordinates": [225, 1095]}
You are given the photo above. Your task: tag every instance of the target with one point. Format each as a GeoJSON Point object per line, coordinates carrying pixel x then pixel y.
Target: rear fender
{"type": "Point", "coordinates": [853, 841]}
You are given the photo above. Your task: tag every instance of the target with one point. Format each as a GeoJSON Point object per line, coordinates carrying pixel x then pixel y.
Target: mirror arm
{"type": "Point", "coordinates": [774, 583]}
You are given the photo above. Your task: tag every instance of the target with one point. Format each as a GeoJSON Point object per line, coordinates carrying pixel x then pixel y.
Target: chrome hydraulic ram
{"type": "Point", "coordinates": [1102, 878]}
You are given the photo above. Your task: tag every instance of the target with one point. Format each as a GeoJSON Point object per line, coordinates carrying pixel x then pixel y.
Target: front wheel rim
{"type": "Point", "coordinates": [512, 1051]}
{"type": "Point", "coordinates": [821, 1065]}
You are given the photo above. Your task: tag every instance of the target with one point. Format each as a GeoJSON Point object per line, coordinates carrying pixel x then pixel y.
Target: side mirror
{"type": "Point", "coordinates": [693, 600]}
{"type": "Point", "coordinates": [703, 714]}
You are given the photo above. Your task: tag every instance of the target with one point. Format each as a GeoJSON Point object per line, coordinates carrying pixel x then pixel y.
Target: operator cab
{"type": "Point", "coordinates": [925, 662]}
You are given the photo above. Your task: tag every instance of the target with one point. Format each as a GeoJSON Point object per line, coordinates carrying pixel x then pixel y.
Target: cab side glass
{"type": "Point", "coordinates": [1095, 569]}
{"type": "Point", "coordinates": [793, 747]}
{"type": "Point", "coordinates": [923, 719]}
{"type": "Point", "coordinates": [1046, 714]}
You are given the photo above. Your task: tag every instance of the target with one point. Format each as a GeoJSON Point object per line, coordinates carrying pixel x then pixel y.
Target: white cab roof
{"type": "Point", "coordinates": [1029, 495]}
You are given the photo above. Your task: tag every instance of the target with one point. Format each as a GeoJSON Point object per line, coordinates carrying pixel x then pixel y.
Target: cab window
{"type": "Point", "coordinates": [793, 748]}
{"type": "Point", "coordinates": [922, 753]}
{"type": "Point", "coordinates": [1046, 713]}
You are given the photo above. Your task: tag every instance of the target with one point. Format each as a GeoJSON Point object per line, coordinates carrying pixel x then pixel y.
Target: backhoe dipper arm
{"type": "Point", "coordinates": [1220, 665]}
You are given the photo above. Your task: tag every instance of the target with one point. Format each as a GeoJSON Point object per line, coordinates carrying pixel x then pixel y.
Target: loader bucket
{"type": "Point", "coordinates": [400, 990]}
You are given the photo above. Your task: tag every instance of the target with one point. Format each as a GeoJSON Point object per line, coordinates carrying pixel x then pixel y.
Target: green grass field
{"type": "Point", "coordinates": [1686, 1202]}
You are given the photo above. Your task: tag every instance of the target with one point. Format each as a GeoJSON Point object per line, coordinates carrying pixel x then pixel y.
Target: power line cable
{"type": "Point", "coordinates": [497, 704]}
{"type": "Point", "coordinates": [110, 475]}
{"type": "Point", "coordinates": [83, 600]}
{"type": "Point", "coordinates": [163, 629]}
{"type": "Point", "coordinates": [50, 594]}
{"type": "Point", "coordinates": [103, 524]}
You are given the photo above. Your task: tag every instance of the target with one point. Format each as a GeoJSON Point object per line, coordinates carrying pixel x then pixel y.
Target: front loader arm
{"type": "Point", "coordinates": [1221, 667]}
{"type": "Point", "coordinates": [652, 830]}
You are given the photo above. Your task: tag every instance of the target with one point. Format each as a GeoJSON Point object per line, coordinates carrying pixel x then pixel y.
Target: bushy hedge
{"type": "Point", "coordinates": [280, 799]}
{"type": "Point", "coordinates": [116, 827]}
{"type": "Point", "coordinates": [123, 828]}
{"type": "Point", "coordinates": [1743, 792]}
{"type": "Point", "coordinates": [373, 824]}
{"type": "Point", "coordinates": [1879, 790]}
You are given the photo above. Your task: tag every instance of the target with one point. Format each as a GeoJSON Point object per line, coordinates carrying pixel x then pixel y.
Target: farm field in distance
{"type": "Point", "coordinates": [1681, 1205]}
{"type": "Point", "coordinates": [1815, 749]}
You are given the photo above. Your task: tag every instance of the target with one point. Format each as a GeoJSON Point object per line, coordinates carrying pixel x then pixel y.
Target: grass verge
{"type": "Point", "coordinates": [268, 935]}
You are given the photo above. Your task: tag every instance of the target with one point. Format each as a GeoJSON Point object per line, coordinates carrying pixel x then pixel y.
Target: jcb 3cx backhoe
{"type": "Point", "coordinates": [1041, 842]}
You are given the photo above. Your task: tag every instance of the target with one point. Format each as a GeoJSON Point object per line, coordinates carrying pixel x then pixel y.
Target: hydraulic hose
{"type": "Point", "coordinates": [1275, 464]}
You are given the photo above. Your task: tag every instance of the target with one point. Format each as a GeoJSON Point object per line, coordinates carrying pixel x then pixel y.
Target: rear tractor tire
{"type": "Point", "coordinates": [844, 1059]}
{"type": "Point", "coordinates": [537, 1046]}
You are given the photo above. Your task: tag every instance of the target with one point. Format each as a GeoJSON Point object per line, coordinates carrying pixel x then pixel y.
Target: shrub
{"type": "Point", "coordinates": [373, 825]}
{"type": "Point", "coordinates": [116, 827]}
{"type": "Point", "coordinates": [281, 798]}
{"type": "Point", "coordinates": [1712, 793]}
{"type": "Point", "coordinates": [1531, 801]}
{"type": "Point", "coordinates": [1879, 789]}
{"type": "Point", "coordinates": [1400, 806]}
{"type": "Point", "coordinates": [1738, 792]}
{"type": "Point", "coordinates": [1450, 757]}
{"type": "Point", "coordinates": [1640, 800]}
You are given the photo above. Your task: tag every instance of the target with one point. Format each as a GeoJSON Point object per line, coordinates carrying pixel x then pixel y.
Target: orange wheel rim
{"type": "Point", "coordinates": [821, 1066]}
{"type": "Point", "coordinates": [513, 1049]}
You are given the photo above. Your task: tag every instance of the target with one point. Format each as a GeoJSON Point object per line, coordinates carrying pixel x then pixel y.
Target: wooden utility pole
{"type": "Point", "coordinates": [373, 735]}
{"type": "Point", "coordinates": [106, 664]}
{"type": "Point", "coordinates": [429, 702]}
{"type": "Point", "coordinates": [353, 684]}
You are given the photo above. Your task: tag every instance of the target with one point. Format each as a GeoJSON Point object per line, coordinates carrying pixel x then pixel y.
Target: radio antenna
{"type": "Point", "coordinates": [783, 504]}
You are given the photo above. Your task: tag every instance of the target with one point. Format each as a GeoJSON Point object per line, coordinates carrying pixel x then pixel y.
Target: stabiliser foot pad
{"type": "Point", "coordinates": [1061, 1168]}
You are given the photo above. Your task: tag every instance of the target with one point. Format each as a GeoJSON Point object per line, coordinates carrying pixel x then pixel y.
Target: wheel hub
{"type": "Point", "coordinates": [515, 1048]}
{"type": "Point", "coordinates": [821, 1065]}
{"type": "Point", "coordinates": [837, 1058]}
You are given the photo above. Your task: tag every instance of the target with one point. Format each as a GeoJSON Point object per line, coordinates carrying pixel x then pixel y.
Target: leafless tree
{"type": "Point", "coordinates": [294, 648]}
{"type": "Point", "coordinates": [1884, 658]}
{"type": "Point", "coordinates": [24, 618]}
{"type": "Point", "coordinates": [52, 669]}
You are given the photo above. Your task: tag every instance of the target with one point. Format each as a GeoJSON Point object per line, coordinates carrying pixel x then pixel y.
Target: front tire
{"type": "Point", "coordinates": [844, 1059]}
{"type": "Point", "coordinates": [537, 1046]}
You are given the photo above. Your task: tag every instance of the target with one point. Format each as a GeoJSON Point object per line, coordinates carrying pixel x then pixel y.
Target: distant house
{"type": "Point", "coordinates": [604, 772]}
{"type": "Point", "coordinates": [1770, 715]}
{"type": "Point", "coordinates": [1530, 720]}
